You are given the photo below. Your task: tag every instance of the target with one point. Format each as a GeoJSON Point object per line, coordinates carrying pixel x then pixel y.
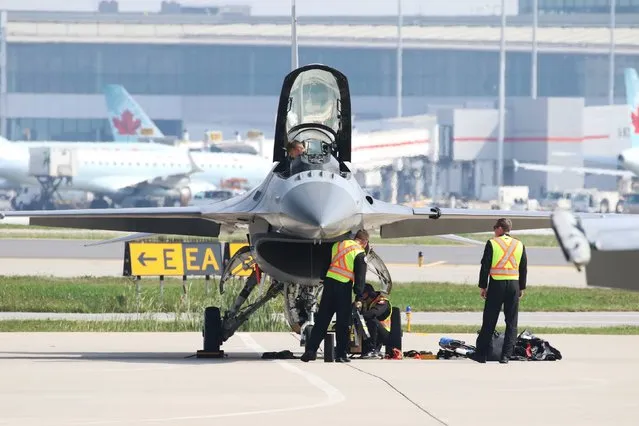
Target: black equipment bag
{"type": "Point", "coordinates": [528, 347]}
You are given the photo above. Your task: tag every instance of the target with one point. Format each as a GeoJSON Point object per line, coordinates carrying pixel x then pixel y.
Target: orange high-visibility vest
{"type": "Point", "coordinates": [507, 253]}
{"type": "Point", "coordinates": [343, 260]}
{"type": "Point", "coordinates": [386, 322]}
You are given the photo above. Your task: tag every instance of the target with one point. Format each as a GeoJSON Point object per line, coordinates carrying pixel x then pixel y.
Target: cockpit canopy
{"type": "Point", "coordinates": [314, 99]}
{"type": "Point", "coordinates": [314, 109]}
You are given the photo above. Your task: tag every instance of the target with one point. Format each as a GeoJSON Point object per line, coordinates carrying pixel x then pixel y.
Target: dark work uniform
{"type": "Point", "coordinates": [337, 299]}
{"type": "Point", "coordinates": [373, 317]}
{"type": "Point", "coordinates": [500, 292]}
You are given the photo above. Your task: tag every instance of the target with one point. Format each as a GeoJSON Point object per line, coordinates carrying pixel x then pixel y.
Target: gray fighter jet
{"type": "Point", "coordinates": [301, 208]}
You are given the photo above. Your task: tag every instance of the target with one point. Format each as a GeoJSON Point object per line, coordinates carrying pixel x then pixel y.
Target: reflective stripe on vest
{"type": "Point", "coordinates": [343, 261]}
{"type": "Point", "coordinates": [507, 253]}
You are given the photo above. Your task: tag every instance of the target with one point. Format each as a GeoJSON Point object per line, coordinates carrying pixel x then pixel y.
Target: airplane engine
{"type": "Point", "coordinates": [304, 262]}
{"type": "Point", "coordinates": [297, 261]}
{"type": "Point", "coordinates": [185, 196]}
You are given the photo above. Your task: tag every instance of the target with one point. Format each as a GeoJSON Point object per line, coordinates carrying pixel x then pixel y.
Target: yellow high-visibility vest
{"type": "Point", "coordinates": [507, 253]}
{"type": "Point", "coordinates": [343, 260]}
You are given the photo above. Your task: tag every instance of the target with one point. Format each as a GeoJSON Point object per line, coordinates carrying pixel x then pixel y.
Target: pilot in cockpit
{"type": "Point", "coordinates": [294, 149]}
{"type": "Point", "coordinates": [315, 156]}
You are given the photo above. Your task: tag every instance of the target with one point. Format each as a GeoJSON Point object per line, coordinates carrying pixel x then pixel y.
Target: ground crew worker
{"type": "Point", "coordinates": [505, 262]}
{"type": "Point", "coordinates": [376, 310]}
{"type": "Point", "coordinates": [346, 274]}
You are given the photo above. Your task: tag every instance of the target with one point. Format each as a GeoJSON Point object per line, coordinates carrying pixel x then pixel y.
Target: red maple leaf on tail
{"type": "Point", "coordinates": [634, 117]}
{"type": "Point", "coordinates": [126, 124]}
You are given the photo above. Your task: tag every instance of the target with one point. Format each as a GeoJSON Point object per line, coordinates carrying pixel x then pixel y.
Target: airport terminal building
{"type": "Point", "coordinates": [211, 73]}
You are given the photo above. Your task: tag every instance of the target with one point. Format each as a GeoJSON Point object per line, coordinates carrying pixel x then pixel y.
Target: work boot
{"type": "Point", "coordinates": [503, 360]}
{"type": "Point", "coordinates": [342, 359]}
{"type": "Point", "coordinates": [308, 356]}
{"type": "Point", "coordinates": [480, 358]}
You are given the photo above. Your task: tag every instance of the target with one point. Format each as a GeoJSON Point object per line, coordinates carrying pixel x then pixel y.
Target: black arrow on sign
{"type": "Point", "coordinates": [143, 259]}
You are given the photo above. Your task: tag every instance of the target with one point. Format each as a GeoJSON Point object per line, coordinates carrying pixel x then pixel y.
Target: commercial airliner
{"type": "Point", "coordinates": [127, 174]}
{"type": "Point", "coordinates": [130, 123]}
{"type": "Point", "coordinates": [628, 159]}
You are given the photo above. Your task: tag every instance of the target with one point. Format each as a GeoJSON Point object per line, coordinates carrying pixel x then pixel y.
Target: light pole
{"type": "Point", "coordinates": [295, 62]}
{"type": "Point", "coordinates": [533, 71]}
{"type": "Point", "coordinates": [611, 58]}
{"type": "Point", "coordinates": [400, 59]}
{"type": "Point", "coordinates": [502, 97]}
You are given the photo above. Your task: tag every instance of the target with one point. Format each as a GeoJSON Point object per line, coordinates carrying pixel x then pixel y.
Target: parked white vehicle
{"type": "Point", "coordinates": [595, 201]}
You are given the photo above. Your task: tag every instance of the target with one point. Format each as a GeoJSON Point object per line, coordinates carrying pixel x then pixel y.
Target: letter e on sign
{"type": "Point", "coordinates": [149, 259]}
{"type": "Point", "coordinates": [190, 253]}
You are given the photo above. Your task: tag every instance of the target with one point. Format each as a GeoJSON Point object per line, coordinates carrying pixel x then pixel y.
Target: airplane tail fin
{"type": "Point", "coordinates": [127, 119]}
{"type": "Point", "coordinates": [632, 98]}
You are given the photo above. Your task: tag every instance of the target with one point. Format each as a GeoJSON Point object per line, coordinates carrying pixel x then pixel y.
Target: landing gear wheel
{"type": "Point", "coordinates": [212, 334]}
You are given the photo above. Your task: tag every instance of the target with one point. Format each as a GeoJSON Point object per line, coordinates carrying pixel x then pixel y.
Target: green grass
{"type": "Point", "coordinates": [472, 329]}
{"type": "Point", "coordinates": [43, 232]}
{"type": "Point", "coordinates": [118, 295]}
{"type": "Point", "coordinates": [437, 297]}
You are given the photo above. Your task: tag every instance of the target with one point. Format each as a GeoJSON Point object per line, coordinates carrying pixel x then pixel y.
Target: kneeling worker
{"type": "Point", "coordinates": [346, 274]}
{"type": "Point", "coordinates": [376, 310]}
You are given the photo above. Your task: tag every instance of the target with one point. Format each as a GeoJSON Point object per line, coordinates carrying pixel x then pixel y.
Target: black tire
{"type": "Point", "coordinates": [604, 207]}
{"type": "Point", "coordinates": [212, 331]}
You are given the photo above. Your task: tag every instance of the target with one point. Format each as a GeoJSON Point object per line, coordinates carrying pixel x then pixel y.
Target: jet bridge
{"type": "Point", "coordinates": [52, 166]}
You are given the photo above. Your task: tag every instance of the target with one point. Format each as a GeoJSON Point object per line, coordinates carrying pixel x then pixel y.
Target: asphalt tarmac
{"type": "Point", "coordinates": [392, 254]}
{"type": "Point", "coordinates": [62, 379]}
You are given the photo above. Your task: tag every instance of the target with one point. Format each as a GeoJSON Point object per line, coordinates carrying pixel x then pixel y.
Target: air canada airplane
{"type": "Point", "coordinates": [128, 173]}
{"type": "Point", "coordinates": [624, 164]}
{"type": "Point", "coordinates": [302, 206]}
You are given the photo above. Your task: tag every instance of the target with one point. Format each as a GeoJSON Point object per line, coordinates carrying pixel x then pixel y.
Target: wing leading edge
{"type": "Point", "coordinates": [165, 220]}
{"type": "Point", "coordinates": [435, 221]}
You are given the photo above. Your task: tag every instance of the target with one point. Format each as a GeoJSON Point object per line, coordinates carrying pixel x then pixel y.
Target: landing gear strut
{"type": "Point", "coordinates": [217, 329]}
{"type": "Point", "coordinates": [300, 301]}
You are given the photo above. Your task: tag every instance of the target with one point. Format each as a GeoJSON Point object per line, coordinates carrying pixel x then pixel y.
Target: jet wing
{"type": "Point", "coordinates": [396, 221]}
{"type": "Point", "coordinates": [206, 221]}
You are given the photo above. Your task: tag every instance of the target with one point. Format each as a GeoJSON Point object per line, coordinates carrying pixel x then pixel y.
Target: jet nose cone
{"type": "Point", "coordinates": [320, 209]}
